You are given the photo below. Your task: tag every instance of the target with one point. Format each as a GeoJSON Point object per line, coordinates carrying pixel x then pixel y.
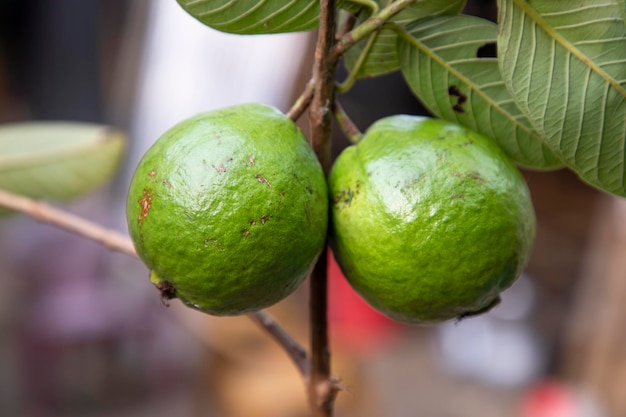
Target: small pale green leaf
{"type": "Point", "coordinates": [382, 57]}
{"type": "Point", "coordinates": [565, 65]}
{"type": "Point", "coordinates": [255, 16]}
{"type": "Point", "coordinates": [57, 160]}
{"type": "Point", "coordinates": [439, 61]}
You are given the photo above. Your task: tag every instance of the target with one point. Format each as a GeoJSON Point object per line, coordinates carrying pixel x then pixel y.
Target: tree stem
{"type": "Point", "coordinates": [320, 112]}
{"type": "Point", "coordinates": [322, 389]}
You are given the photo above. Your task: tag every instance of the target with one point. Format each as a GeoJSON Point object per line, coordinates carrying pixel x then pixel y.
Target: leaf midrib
{"type": "Point", "coordinates": [543, 24]}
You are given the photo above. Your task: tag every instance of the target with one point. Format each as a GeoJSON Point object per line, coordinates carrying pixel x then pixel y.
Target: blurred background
{"type": "Point", "coordinates": [83, 333]}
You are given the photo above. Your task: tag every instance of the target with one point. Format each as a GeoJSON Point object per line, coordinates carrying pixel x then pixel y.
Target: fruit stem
{"type": "Point", "coordinates": [347, 126]}
{"type": "Point", "coordinates": [322, 389]}
{"type": "Point", "coordinates": [374, 23]}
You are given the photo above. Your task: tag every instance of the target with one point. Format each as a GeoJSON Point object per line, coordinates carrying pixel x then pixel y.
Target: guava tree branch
{"type": "Point", "coordinates": [119, 242]}
{"type": "Point", "coordinates": [297, 354]}
{"type": "Point", "coordinates": [294, 351]}
{"type": "Point", "coordinates": [322, 388]}
{"type": "Point", "coordinates": [46, 213]}
{"type": "Point", "coordinates": [371, 25]}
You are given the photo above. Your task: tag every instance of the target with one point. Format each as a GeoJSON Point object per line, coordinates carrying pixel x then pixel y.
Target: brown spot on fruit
{"type": "Point", "coordinates": [349, 196]}
{"type": "Point", "coordinates": [339, 196]}
{"type": "Point", "coordinates": [264, 219]}
{"type": "Point", "coordinates": [476, 176]}
{"type": "Point", "coordinates": [344, 197]}
{"type": "Point", "coordinates": [252, 222]}
{"type": "Point", "coordinates": [145, 202]}
{"type": "Point", "coordinates": [152, 173]}
{"type": "Point", "coordinates": [260, 178]}
{"type": "Point", "coordinates": [245, 232]}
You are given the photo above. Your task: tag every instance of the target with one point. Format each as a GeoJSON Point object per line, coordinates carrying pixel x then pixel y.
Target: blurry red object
{"type": "Point", "coordinates": [550, 399]}
{"type": "Point", "coordinates": [354, 325]}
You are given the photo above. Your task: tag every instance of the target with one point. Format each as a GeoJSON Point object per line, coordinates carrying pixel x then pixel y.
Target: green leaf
{"type": "Point", "coordinates": [255, 16]}
{"type": "Point", "coordinates": [565, 65]}
{"type": "Point", "coordinates": [57, 160]}
{"type": "Point", "coordinates": [382, 57]}
{"type": "Point", "coordinates": [439, 62]}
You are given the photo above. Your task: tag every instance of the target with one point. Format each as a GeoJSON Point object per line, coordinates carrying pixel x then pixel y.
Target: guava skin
{"type": "Point", "coordinates": [429, 221]}
{"type": "Point", "coordinates": [229, 209]}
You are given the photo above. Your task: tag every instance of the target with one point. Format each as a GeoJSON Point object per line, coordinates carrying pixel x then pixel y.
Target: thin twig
{"type": "Point", "coordinates": [296, 353]}
{"type": "Point", "coordinates": [46, 213]}
{"type": "Point", "coordinates": [372, 24]}
{"type": "Point", "coordinates": [346, 124]}
{"type": "Point", "coordinates": [347, 84]}
{"type": "Point", "coordinates": [302, 102]}
{"type": "Point", "coordinates": [267, 323]}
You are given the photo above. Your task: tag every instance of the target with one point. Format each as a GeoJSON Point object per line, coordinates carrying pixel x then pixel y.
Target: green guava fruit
{"type": "Point", "coordinates": [429, 220]}
{"type": "Point", "coordinates": [229, 209]}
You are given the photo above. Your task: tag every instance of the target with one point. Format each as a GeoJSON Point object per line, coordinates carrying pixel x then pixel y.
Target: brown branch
{"type": "Point", "coordinates": [322, 388]}
{"type": "Point", "coordinates": [267, 323]}
{"type": "Point", "coordinates": [46, 213]}
{"type": "Point", "coordinates": [296, 353]}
